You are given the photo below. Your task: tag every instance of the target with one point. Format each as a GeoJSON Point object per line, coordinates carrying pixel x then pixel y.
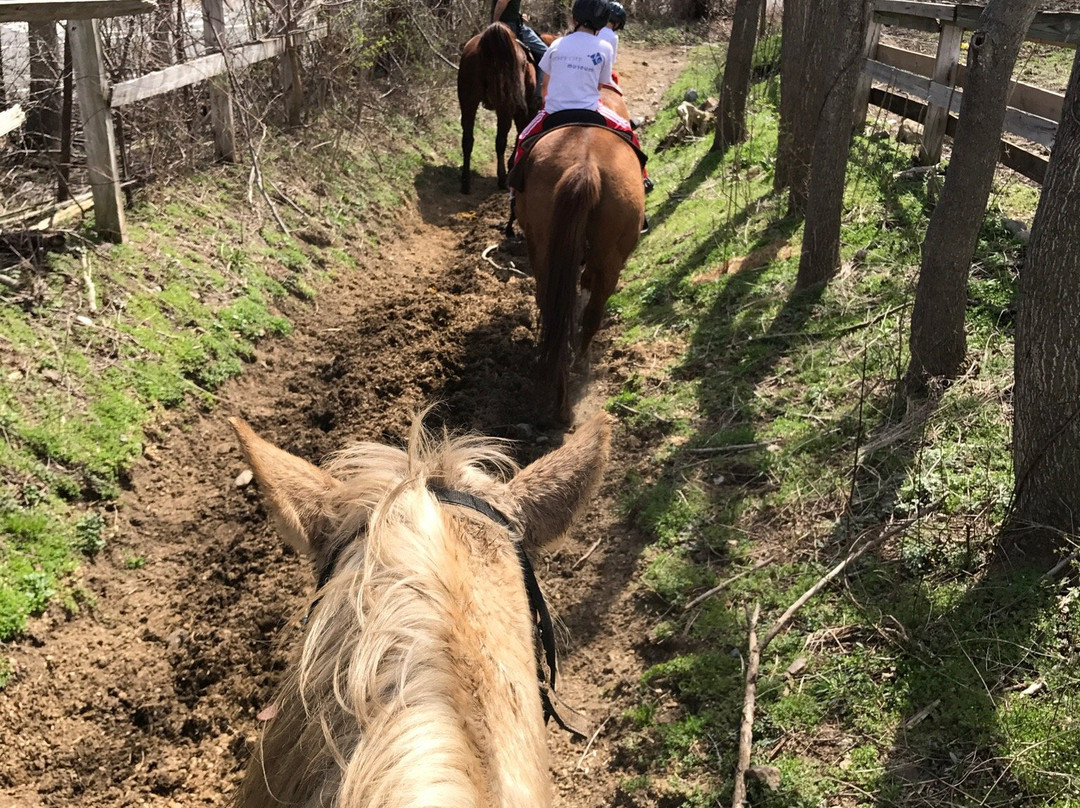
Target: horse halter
{"type": "Point", "coordinates": [542, 623]}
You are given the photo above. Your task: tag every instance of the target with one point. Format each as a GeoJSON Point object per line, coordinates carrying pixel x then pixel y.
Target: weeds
{"type": "Point", "coordinates": [919, 668]}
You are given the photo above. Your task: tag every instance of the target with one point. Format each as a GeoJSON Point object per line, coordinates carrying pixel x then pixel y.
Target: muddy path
{"type": "Point", "coordinates": [150, 695]}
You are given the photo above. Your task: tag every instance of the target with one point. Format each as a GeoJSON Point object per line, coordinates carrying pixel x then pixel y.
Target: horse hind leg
{"type": "Point", "coordinates": [468, 123]}
{"type": "Point", "coordinates": [501, 136]}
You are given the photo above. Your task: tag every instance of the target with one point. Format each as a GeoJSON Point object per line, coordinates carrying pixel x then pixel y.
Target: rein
{"type": "Point", "coordinates": [542, 621]}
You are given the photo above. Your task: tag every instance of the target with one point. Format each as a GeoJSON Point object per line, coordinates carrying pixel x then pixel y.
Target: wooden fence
{"type": "Point", "coordinates": [928, 89]}
{"type": "Point", "coordinates": [97, 98]}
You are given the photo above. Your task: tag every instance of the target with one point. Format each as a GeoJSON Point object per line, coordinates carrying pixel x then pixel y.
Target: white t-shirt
{"type": "Point", "coordinates": [577, 64]}
{"type": "Point", "coordinates": [609, 36]}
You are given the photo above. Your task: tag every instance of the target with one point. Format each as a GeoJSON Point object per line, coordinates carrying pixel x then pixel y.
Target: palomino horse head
{"type": "Point", "coordinates": [581, 205]}
{"type": "Point", "coordinates": [494, 71]}
{"type": "Point", "coordinates": [417, 681]}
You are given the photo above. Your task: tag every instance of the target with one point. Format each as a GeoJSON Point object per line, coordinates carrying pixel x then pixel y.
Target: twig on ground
{"type": "Point", "coordinates": [731, 447]}
{"type": "Point", "coordinates": [487, 251]}
{"type": "Point", "coordinates": [746, 726]}
{"type": "Point", "coordinates": [828, 334]}
{"type": "Point", "coordinates": [661, 418]}
{"type": "Point", "coordinates": [91, 292]}
{"type": "Point", "coordinates": [588, 746]}
{"type": "Point", "coordinates": [588, 553]}
{"type": "Point", "coordinates": [755, 648]}
{"type": "Point", "coordinates": [720, 587]}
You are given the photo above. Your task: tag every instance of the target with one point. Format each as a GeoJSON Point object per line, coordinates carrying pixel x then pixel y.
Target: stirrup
{"type": "Point", "coordinates": [648, 185]}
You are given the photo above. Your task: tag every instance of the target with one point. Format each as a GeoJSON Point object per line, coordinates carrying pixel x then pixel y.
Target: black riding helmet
{"type": "Point", "coordinates": [618, 16]}
{"type": "Point", "coordinates": [591, 13]}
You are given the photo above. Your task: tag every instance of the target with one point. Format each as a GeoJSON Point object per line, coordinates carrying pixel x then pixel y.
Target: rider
{"type": "Point", "coordinates": [616, 22]}
{"type": "Point", "coordinates": [509, 13]}
{"type": "Point", "coordinates": [574, 68]}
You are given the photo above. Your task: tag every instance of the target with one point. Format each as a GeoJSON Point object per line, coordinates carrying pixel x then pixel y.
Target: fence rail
{"type": "Point", "coordinates": [936, 83]}
{"type": "Point", "coordinates": [97, 99]}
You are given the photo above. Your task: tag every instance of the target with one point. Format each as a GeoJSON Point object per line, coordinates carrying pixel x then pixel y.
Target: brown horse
{"type": "Point", "coordinates": [495, 71]}
{"type": "Point", "coordinates": [581, 205]}
{"type": "Point", "coordinates": [417, 681]}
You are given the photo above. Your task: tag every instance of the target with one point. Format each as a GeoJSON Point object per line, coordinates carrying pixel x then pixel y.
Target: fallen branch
{"type": "Point", "coordinates": [588, 553]}
{"type": "Point", "coordinates": [488, 250]}
{"type": "Point", "coordinates": [746, 726]}
{"type": "Point", "coordinates": [720, 587]}
{"type": "Point", "coordinates": [755, 649]}
{"type": "Point", "coordinates": [588, 746]}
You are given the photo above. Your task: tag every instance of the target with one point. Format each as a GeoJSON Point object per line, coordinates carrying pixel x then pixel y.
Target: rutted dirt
{"type": "Point", "coordinates": [150, 697]}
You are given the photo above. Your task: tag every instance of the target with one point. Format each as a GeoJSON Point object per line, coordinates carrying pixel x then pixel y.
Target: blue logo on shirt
{"type": "Point", "coordinates": [596, 58]}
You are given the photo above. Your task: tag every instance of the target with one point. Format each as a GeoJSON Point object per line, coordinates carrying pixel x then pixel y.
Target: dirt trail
{"type": "Point", "coordinates": [150, 696]}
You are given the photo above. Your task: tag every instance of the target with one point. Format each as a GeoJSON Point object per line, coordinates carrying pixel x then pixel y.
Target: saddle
{"type": "Point", "coordinates": [559, 120]}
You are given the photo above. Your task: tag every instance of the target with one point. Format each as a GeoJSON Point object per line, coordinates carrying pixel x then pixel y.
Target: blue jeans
{"type": "Point", "coordinates": [532, 42]}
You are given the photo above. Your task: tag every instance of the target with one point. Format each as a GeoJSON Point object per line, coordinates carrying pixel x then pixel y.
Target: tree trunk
{"type": "Point", "coordinates": [807, 35]}
{"type": "Point", "coordinates": [731, 115]}
{"type": "Point", "coordinates": [1046, 433]}
{"type": "Point", "coordinates": [43, 111]}
{"type": "Point", "coordinates": [794, 147]}
{"type": "Point", "coordinates": [841, 66]}
{"type": "Point", "coordinates": [938, 344]}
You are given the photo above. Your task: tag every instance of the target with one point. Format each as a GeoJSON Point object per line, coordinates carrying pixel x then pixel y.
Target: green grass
{"type": "Point", "coordinates": [915, 665]}
{"type": "Point", "coordinates": [179, 310]}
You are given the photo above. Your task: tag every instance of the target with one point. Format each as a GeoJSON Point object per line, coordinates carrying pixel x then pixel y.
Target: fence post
{"type": "Point", "coordinates": [221, 111]}
{"type": "Point", "coordinates": [862, 88]}
{"type": "Point", "coordinates": [93, 88]}
{"type": "Point", "coordinates": [289, 71]}
{"type": "Point", "coordinates": [946, 68]}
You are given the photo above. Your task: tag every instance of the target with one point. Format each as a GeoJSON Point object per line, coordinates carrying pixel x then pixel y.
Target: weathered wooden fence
{"type": "Point", "coordinates": [97, 99]}
{"type": "Point", "coordinates": [928, 89]}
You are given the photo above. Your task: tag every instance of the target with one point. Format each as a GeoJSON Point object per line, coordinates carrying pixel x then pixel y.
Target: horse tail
{"type": "Point", "coordinates": [576, 194]}
{"type": "Point", "coordinates": [506, 67]}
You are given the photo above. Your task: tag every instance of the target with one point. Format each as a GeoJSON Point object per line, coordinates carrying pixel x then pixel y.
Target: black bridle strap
{"type": "Point", "coordinates": [541, 615]}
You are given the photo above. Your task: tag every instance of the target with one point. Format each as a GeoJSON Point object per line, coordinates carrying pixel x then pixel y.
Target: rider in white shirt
{"type": "Point", "coordinates": [608, 33]}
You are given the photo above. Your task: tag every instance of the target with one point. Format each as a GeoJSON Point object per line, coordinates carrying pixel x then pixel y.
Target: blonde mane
{"type": "Point", "coordinates": [374, 709]}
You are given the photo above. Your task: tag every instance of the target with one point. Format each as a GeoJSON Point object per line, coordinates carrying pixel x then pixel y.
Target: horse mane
{"type": "Point", "coordinates": [376, 641]}
{"type": "Point", "coordinates": [509, 67]}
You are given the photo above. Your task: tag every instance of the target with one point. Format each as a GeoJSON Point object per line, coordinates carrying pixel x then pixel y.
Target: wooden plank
{"type": "Point", "coordinates": [1028, 97]}
{"type": "Point", "coordinates": [193, 71]}
{"type": "Point", "coordinates": [906, 21]}
{"type": "Point", "coordinates": [862, 88]}
{"type": "Point", "coordinates": [221, 111]}
{"type": "Point", "coordinates": [11, 119]}
{"type": "Point", "coordinates": [943, 80]}
{"type": "Point", "coordinates": [899, 79]}
{"type": "Point", "coordinates": [1055, 27]}
{"type": "Point", "coordinates": [47, 10]}
{"type": "Point", "coordinates": [1031, 165]}
{"type": "Point", "coordinates": [933, 11]}
{"type": "Point", "coordinates": [92, 85]}
{"type": "Point", "coordinates": [1018, 122]}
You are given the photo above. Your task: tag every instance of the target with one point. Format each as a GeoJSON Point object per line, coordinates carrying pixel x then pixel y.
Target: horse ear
{"type": "Point", "coordinates": [298, 493]}
{"type": "Point", "coordinates": [550, 492]}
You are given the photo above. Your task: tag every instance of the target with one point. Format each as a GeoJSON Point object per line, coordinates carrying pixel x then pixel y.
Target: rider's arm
{"type": "Point", "coordinates": [544, 87]}
{"type": "Point", "coordinates": [500, 7]}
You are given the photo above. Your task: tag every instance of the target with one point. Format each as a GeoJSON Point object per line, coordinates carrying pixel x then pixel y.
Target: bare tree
{"type": "Point", "coordinates": [1046, 434]}
{"type": "Point", "coordinates": [938, 344]}
{"type": "Point", "coordinates": [731, 115]}
{"type": "Point", "coordinates": [841, 63]}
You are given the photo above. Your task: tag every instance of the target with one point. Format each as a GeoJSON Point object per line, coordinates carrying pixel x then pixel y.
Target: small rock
{"type": "Point", "coordinates": [1017, 229]}
{"type": "Point", "coordinates": [51, 375]}
{"type": "Point", "coordinates": [690, 95]}
{"type": "Point", "coordinates": [797, 666]}
{"type": "Point", "coordinates": [82, 319]}
{"type": "Point", "coordinates": [243, 478]}
{"type": "Point", "coordinates": [769, 776]}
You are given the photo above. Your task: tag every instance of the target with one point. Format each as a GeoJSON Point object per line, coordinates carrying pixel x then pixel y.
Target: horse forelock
{"type": "Point", "coordinates": [376, 703]}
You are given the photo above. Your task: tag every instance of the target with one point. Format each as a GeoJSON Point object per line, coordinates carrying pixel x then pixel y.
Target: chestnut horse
{"type": "Point", "coordinates": [417, 681]}
{"type": "Point", "coordinates": [495, 71]}
{"type": "Point", "coordinates": [581, 205]}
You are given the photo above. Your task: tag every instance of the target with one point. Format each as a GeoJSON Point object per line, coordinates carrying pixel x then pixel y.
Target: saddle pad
{"type": "Point", "coordinates": [516, 180]}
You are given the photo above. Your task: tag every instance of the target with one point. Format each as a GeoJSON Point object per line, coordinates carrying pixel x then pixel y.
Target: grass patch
{"type": "Point", "coordinates": [784, 437]}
